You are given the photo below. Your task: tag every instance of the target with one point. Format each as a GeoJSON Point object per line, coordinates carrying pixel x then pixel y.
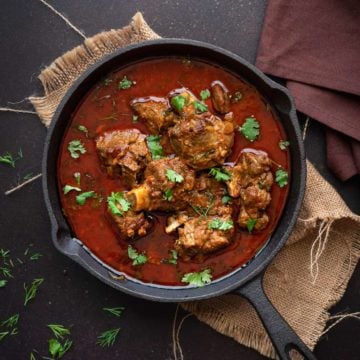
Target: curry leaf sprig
{"type": "Point", "coordinates": [30, 292]}
{"type": "Point", "coordinates": [108, 337]}
{"type": "Point", "coordinates": [198, 279]}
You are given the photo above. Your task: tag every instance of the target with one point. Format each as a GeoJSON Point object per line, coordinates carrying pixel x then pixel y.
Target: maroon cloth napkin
{"type": "Point", "coordinates": [315, 46]}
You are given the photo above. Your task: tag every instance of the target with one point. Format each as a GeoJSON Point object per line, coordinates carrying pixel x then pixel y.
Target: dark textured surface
{"type": "Point", "coordinates": [31, 36]}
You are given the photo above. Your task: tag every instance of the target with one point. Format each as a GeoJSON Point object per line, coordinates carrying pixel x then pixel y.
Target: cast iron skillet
{"type": "Point", "coordinates": [246, 281]}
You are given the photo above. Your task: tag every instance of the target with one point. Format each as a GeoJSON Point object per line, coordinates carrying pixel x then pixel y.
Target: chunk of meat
{"type": "Point", "coordinates": [151, 195]}
{"type": "Point", "coordinates": [188, 99]}
{"type": "Point", "coordinates": [124, 153]}
{"type": "Point", "coordinates": [203, 140]}
{"type": "Point", "coordinates": [197, 238]}
{"type": "Point", "coordinates": [220, 97]}
{"type": "Point", "coordinates": [155, 111]}
{"type": "Point", "coordinates": [262, 219]}
{"type": "Point", "coordinates": [175, 221]}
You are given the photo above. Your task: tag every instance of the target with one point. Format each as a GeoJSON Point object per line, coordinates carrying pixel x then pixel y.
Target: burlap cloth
{"type": "Point", "coordinates": [308, 276]}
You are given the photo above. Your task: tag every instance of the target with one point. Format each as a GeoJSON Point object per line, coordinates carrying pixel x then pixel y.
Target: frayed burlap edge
{"type": "Point", "coordinates": [60, 75]}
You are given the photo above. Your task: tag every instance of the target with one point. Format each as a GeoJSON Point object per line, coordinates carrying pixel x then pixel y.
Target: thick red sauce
{"type": "Point", "coordinates": [105, 107]}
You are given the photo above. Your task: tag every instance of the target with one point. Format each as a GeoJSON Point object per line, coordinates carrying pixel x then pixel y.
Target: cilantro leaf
{"type": "Point", "coordinates": [220, 174]}
{"type": "Point", "coordinates": [138, 259]}
{"type": "Point", "coordinates": [153, 143]}
{"type": "Point", "coordinates": [283, 144]}
{"type": "Point", "coordinates": [178, 102]}
{"type": "Point", "coordinates": [125, 83]}
{"type": "Point", "coordinates": [173, 257]}
{"type": "Point", "coordinates": [168, 195]}
{"type": "Point", "coordinates": [197, 278]}
{"type": "Point", "coordinates": [218, 224]}
{"type": "Point", "coordinates": [250, 224]}
{"type": "Point", "coordinates": [226, 199]}
{"type": "Point", "coordinates": [200, 107]}
{"type": "Point", "coordinates": [205, 94]}
{"type": "Point", "coordinates": [68, 188]}
{"type": "Point", "coordinates": [115, 200]}
{"type": "Point", "coordinates": [83, 129]}
{"type": "Point", "coordinates": [81, 198]}
{"type": "Point", "coordinates": [173, 176]}
{"type": "Point", "coordinates": [281, 177]}
{"type": "Point", "coordinates": [76, 147]}
{"type": "Point", "coordinates": [250, 129]}
{"type": "Point", "coordinates": [9, 159]}
{"type": "Point", "coordinates": [58, 350]}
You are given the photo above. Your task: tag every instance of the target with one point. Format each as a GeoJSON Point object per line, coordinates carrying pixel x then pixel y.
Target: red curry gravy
{"type": "Point", "coordinates": [105, 108]}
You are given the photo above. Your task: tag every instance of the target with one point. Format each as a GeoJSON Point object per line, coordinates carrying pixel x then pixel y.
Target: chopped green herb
{"type": "Point", "coordinates": [27, 176]}
{"type": "Point", "coordinates": [68, 188]}
{"type": "Point", "coordinates": [30, 292]}
{"type": "Point", "coordinates": [281, 177]}
{"type": "Point", "coordinates": [10, 159]}
{"type": "Point", "coordinates": [6, 272]}
{"type": "Point", "coordinates": [173, 176]}
{"type": "Point", "coordinates": [115, 200]}
{"type": "Point", "coordinates": [250, 129]}
{"type": "Point", "coordinates": [200, 107]}
{"type": "Point", "coordinates": [204, 94]}
{"type": "Point", "coordinates": [116, 311]}
{"type": "Point", "coordinates": [168, 195]}
{"type": "Point", "coordinates": [178, 102]}
{"type": "Point", "coordinates": [58, 350]}
{"type": "Point", "coordinates": [218, 224]}
{"type": "Point", "coordinates": [26, 251]}
{"type": "Point", "coordinates": [153, 143]}
{"type": "Point", "coordinates": [202, 211]}
{"type": "Point", "coordinates": [58, 330]}
{"type": "Point", "coordinates": [250, 224]}
{"type": "Point", "coordinates": [135, 119]}
{"type": "Point", "coordinates": [138, 259]}
{"type": "Point", "coordinates": [36, 256]}
{"type": "Point", "coordinates": [32, 356]}
{"type": "Point", "coordinates": [14, 331]}
{"type": "Point", "coordinates": [236, 97]}
{"type": "Point", "coordinates": [77, 177]}
{"type": "Point", "coordinates": [3, 283]}
{"type": "Point", "coordinates": [197, 278]}
{"type": "Point", "coordinates": [125, 83]}
{"type": "Point", "coordinates": [107, 338]}
{"type": "Point", "coordinates": [83, 129]}
{"type": "Point", "coordinates": [173, 257]}
{"type": "Point", "coordinates": [4, 253]}
{"type": "Point", "coordinates": [283, 144]}
{"type": "Point", "coordinates": [81, 198]}
{"type": "Point", "coordinates": [226, 199]}
{"type": "Point", "coordinates": [3, 334]}
{"type": "Point", "coordinates": [76, 147]}
{"type": "Point", "coordinates": [220, 174]}
{"type": "Point", "coordinates": [11, 321]}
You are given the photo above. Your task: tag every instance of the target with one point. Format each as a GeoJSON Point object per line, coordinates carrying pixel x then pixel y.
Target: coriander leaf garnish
{"type": "Point", "coordinates": [218, 224]}
{"type": "Point", "coordinates": [173, 176]}
{"type": "Point", "coordinates": [153, 143]}
{"type": "Point", "coordinates": [236, 97]}
{"type": "Point", "coordinates": [59, 330]}
{"type": "Point", "coordinates": [138, 259]}
{"type": "Point", "coordinates": [77, 177]}
{"type": "Point", "coordinates": [281, 177]}
{"type": "Point", "coordinates": [250, 224]}
{"type": "Point", "coordinates": [83, 129]}
{"type": "Point", "coordinates": [11, 321]}
{"type": "Point", "coordinates": [10, 159]}
{"type": "Point", "coordinates": [226, 199]}
{"type": "Point", "coordinates": [76, 147]}
{"type": "Point", "coordinates": [68, 188]}
{"type": "Point", "coordinates": [116, 200]}
{"type": "Point", "coordinates": [250, 129]}
{"type": "Point", "coordinates": [197, 278]}
{"type": "Point", "coordinates": [107, 338]}
{"type": "Point", "coordinates": [168, 195]}
{"type": "Point", "coordinates": [30, 292]}
{"type": "Point", "coordinates": [3, 283]}
{"type": "Point", "coordinates": [35, 256]}
{"type": "Point", "coordinates": [178, 102]}
{"type": "Point", "coordinates": [173, 257]}
{"type": "Point", "coordinates": [3, 334]}
{"type": "Point", "coordinates": [116, 311]}
{"type": "Point", "coordinates": [125, 83]}
{"type": "Point", "coordinates": [81, 198]}
{"type": "Point", "coordinates": [204, 94]}
{"type": "Point", "coordinates": [220, 174]}
{"type": "Point", "coordinates": [200, 107]}
{"type": "Point", "coordinates": [58, 350]}
{"type": "Point", "coordinates": [283, 144]}
{"type": "Point", "coordinates": [135, 119]}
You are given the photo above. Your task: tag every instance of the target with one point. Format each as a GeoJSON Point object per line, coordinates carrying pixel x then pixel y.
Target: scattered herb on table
{"type": "Point", "coordinates": [125, 83]}
{"type": "Point", "coordinates": [6, 272]}
{"type": "Point", "coordinates": [59, 330]}
{"type": "Point", "coordinates": [281, 177]}
{"type": "Point", "coordinates": [135, 119]}
{"type": "Point", "coordinates": [236, 97]}
{"type": "Point", "coordinates": [115, 200]}
{"type": "Point", "coordinates": [197, 278]}
{"type": "Point", "coordinates": [283, 144]}
{"type": "Point", "coordinates": [77, 177]}
{"type": "Point", "coordinates": [168, 195]}
{"type": "Point", "coordinates": [76, 147]}
{"type": "Point", "coordinates": [218, 224]}
{"type": "Point", "coordinates": [3, 334]}
{"type": "Point", "coordinates": [226, 199]}
{"type": "Point", "coordinates": [27, 176]}
{"type": "Point", "coordinates": [81, 198]}
{"type": "Point", "coordinates": [200, 107]}
{"type": "Point", "coordinates": [57, 349]}
{"type": "Point", "coordinates": [204, 94]}
{"type": "Point", "coordinates": [250, 224]}
{"type": "Point", "coordinates": [11, 321]}
{"type": "Point", "coordinates": [116, 311]}
{"type": "Point", "coordinates": [173, 257]}
{"type": "Point", "coordinates": [32, 356]}
{"type": "Point", "coordinates": [35, 256]}
{"type": "Point", "coordinates": [250, 129]}
{"type": "Point", "coordinates": [138, 259]}
{"type": "Point", "coordinates": [3, 283]}
{"type": "Point", "coordinates": [107, 338]}
{"type": "Point", "coordinates": [10, 159]}
{"type": "Point", "coordinates": [30, 292]}
{"type": "Point", "coordinates": [173, 176]}
{"type": "Point", "coordinates": [220, 174]}
{"type": "Point", "coordinates": [68, 188]}
{"type": "Point", "coordinates": [153, 143]}
{"type": "Point", "coordinates": [4, 253]}
{"type": "Point", "coordinates": [178, 102]}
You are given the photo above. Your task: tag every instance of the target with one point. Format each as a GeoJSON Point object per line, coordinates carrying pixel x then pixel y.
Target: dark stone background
{"type": "Point", "coordinates": [30, 38]}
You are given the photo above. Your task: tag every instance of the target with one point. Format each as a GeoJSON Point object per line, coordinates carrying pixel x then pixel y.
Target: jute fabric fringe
{"type": "Point", "coordinates": [311, 272]}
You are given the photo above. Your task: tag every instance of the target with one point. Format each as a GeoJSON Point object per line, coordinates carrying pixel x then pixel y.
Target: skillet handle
{"type": "Point", "coordinates": [281, 334]}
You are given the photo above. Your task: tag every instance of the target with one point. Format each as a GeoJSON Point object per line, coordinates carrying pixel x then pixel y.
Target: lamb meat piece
{"type": "Point", "coordinates": [155, 111]}
{"type": "Point", "coordinates": [202, 140]}
{"type": "Point", "coordinates": [196, 238]}
{"type": "Point", "coordinates": [188, 98]}
{"type": "Point", "coordinates": [175, 221]}
{"type": "Point", "coordinates": [246, 214]}
{"type": "Point", "coordinates": [158, 192]}
{"type": "Point", "coordinates": [220, 97]}
{"type": "Point", "coordinates": [124, 153]}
